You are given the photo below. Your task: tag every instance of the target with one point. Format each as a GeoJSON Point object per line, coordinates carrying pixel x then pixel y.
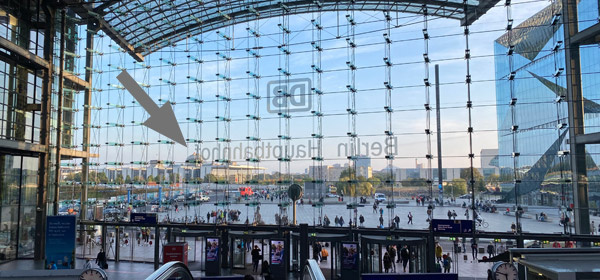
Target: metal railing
{"type": "Point", "coordinates": [172, 270]}
{"type": "Point", "coordinates": [312, 271]}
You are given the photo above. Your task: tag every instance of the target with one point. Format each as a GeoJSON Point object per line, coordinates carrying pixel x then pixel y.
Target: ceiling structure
{"type": "Point", "coordinates": [142, 27]}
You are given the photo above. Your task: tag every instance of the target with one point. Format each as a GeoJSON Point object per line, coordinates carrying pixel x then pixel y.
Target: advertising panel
{"type": "Point", "coordinates": [212, 249]}
{"type": "Point", "coordinates": [277, 252]}
{"type": "Point", "coordinates": [350, 256]}
{"type": "Point", "coordinates": [60, 242]}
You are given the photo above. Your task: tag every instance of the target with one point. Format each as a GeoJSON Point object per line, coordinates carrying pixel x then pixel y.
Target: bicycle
{"type": "Point", "coordinates": [482, 223]}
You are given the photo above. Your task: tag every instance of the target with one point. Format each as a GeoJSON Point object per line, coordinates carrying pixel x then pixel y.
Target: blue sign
{"type": "Point", "coordinates": [159, 194]}
{"type": "Point", "coordinates": [128, 197]}
{"type": "Point", "coordinates": [412, 276]}
{"type": "Point", "coordinates": [452, 226]}
{"type": "Point", "coordinates": [143, 218]}
{"type": "Point", "coordinates": [60, 242]}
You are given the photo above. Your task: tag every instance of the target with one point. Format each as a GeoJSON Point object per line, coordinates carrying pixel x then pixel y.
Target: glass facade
{"type": "Point", "coordinates": [21, 90]}
{"type": "Point", "coordinates": [532, 112]}
{"type": "Point", "coordinates": [19, 179]}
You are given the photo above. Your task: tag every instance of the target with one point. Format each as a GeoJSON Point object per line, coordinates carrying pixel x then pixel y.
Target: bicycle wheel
{"type": "Point", "coordinates": [485, 224]}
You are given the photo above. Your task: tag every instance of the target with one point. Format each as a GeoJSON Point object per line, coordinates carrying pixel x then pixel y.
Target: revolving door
{"type": "Point", "coordinates": [242, 243]}
{"type": "Point", "coordinates": [373, 249]}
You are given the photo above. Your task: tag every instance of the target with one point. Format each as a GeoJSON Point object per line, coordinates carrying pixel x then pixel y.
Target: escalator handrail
{"type": "Point", "coordinates": [168, 269]}
{"type": "Point", "coordinates": [312, 267]}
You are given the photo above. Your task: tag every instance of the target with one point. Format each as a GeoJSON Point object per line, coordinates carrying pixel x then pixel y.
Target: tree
{"type": "Point", "coordinates": [210, 178]}
{"type": "Point", "coordinates": [493, 180]}
{"type": "Point", "coordinates": [457, 187]}
{"type": "Point", "coordinates": [150, 178]}
{"type": "Point", "coordinates": [415, 182]}
{"type": "Point", "coordinates": [119, 179]}
{"type": "Point", "coordinates": [465, 174]}
{"type": "Point", "coordinates": [375, 182]}
{"type": "Point", "coordinates": [136, 179]}
{"type": "Point", "coordinates": [128, 179]}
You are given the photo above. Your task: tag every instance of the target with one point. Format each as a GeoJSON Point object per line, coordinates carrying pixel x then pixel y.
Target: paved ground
{"type": "Point", "coordinates": [467, 269]}
{"type": "Point", "coordinates": [308, 214]}
{"type": "Point", "coordinates": [498, 222]}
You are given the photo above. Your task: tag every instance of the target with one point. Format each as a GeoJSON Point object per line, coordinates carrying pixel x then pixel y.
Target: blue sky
{"type": "Point", "coordinates": [446, 48]}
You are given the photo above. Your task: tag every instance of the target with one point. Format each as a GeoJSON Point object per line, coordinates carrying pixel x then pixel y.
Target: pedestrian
{"type": "Point", "coordinates": [375, 207]}
{"type": "Point", "coordinates": [447, 263]}
{"type": "Point", "coordinates": [381, 221]}
{"type": "Point", "coordinates": [593, 228]}
{"type": "Point", "coordinates": [392, 251]}
{"type": "Point", "coordinates": [397, 221]}
{"type": "Point", "coordinates": [438, 252]}
{"type": "Point", "coordinates": [491, 250]}
{"type": "Point", "coordinates": [513, 227]}
{"type": "Point", "coordinates": [101, 259]}
{"type": "Point", "coordinates": [381, 211]}
{"type": "Point", "coordinates": [317, 251]}
{"type": "Point", "coordinates": [404, 254]}
{"type": "Point", "coordinates": [255, 258]}
{"type": "Point", "coordinates": [341, 221]}
{"type": "Point", "coordinates": [474, 248]}
{"type": "Point", "coordinates": [336, 220]}
{"type": "Point", "coordinates": [266, 269]}
{"type": "Point", "coordinates": [556, 244]}
{"type": "Point", "coordinates": [454, 214]}
{"type": "Point", "coordinates": [449, 214]}
{"type": "Point", "coordinates": [362, 220]}
{"type": "Point", "coordinates": [410, 216]}
{"type": "Point", "coordinates": [467, 213]}
{"type": "Point", "coordinates": [387, 262]}
{"type": "Point", "coordinates": [88, 264]}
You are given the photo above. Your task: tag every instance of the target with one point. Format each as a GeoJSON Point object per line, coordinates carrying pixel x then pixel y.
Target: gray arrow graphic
{"type": "Point", "coordinates": [161, 120]}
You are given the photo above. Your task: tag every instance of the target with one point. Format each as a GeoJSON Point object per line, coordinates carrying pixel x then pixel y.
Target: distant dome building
{"type": "Point", "coordinates": [192, 167]}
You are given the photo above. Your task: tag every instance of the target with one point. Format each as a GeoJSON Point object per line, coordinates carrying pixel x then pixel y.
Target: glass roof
{"type": "Point", "coordinates": [149, 25]}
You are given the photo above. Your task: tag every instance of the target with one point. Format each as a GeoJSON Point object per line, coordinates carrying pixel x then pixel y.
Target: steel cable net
{"type": "Point", "coordinates": [332, 101]}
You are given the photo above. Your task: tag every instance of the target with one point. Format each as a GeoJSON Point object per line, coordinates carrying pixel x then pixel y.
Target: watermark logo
{"type": "Point", "coordinates": [294, 96]}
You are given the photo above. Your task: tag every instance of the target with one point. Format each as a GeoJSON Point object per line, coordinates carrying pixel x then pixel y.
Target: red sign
{"type": "Point", "coordinates": [175, 251]}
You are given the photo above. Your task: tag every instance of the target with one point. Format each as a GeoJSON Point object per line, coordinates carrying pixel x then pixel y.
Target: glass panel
{"type": "Point", "coordinates": [9, 215]}
{"type": "Point", "coordinates": [29, 181]}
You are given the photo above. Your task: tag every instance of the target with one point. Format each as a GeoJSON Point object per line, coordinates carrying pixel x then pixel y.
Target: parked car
{"type": "Point", "coordinates": [331, 195]}
{"type": "Point", "coordinates": [379, 197]}
{"type": "Point", "coordinates": [203, 198]}
{"type": "Point", "coordinates": [180, 198]}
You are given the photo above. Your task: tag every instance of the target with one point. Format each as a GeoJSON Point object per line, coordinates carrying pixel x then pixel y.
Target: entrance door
{"type": "Point", "coordinates": [373, 258]}
{"type": "Point", "coordinates": [238, 256]}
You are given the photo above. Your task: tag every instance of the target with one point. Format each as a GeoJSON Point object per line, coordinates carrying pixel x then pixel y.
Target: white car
{"type": "Point", "coordinates": [203, 198]}
{"type": "Point", "coordinates": [331, 195]}
{"type": "Point", "coordinates": [379, 197]}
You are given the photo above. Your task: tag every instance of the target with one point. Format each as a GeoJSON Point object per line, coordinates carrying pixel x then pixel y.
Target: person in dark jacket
{"type": "Point", "coordinates": [387, 262]}
{"type": "Point", "coordinates": [491, 250]}
{"type": "Point", "coordinates": [266, 270]}
{"type": "Point", "coordinates": [101, 259]}
{"type": "Point", "coordinates": [255, 258]}
{"type": "Point", "coordinates": [393, 252]}
{"type": "Point", "coordinates": [405, 255]}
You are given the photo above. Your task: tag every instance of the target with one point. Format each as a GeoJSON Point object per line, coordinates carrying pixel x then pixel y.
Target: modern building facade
{"type": "Point", "coordinates": [533, 95]}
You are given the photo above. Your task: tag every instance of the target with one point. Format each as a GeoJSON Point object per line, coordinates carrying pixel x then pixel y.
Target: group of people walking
{"type": "Point", "coordinates": [389, 258]}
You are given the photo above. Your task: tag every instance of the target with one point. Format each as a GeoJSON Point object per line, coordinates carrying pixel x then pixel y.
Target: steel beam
{"type": "Point", "coordinates": [59, 110]}
{"type": "Point", "coordinates": [85, 164]}
{"type": "Point", "coordinates": [588, 138]}
{"type": "Point", "coordinates": [85, 11]}
{"type": "Point", "coordinates": [576, 120]}
{"type": "Point", "coordinates": [44, 159]}
{"type": "Point", "coordinates": [588, 36]}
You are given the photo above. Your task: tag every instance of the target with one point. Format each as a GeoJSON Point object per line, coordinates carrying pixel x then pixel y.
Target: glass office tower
{"type": "Point", "coordinates": [533, 115]}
